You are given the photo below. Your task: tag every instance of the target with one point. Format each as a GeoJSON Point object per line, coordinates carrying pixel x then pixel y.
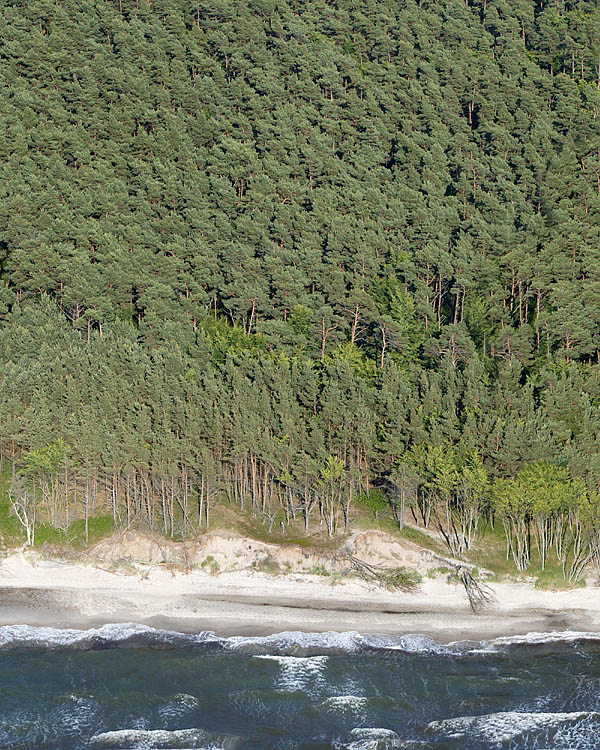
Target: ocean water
{"type": "Point", "coordinates": [132, 687]}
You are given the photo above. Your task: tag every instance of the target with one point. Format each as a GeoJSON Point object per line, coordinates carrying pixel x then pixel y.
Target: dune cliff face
{"type": "Point", "coordinates": [227, 551]}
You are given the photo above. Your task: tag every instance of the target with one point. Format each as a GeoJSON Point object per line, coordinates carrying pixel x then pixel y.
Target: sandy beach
{"type": "Point", "coordinates": [41, 592]}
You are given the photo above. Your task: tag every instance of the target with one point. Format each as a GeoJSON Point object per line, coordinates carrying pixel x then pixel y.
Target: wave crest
{"type": "Point", "coordinates": [374, 738]}
{"type": "Point", "coordinates": [292, 644]}
{"type": "Point", "coordinates": [148, 739]}
{"type": "Point", "coordinates": [508, 726]}
{"type": "Point", "coordinates": [113, 635]}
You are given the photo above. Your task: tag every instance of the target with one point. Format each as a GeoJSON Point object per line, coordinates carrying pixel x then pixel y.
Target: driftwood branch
{"type": "Point", "coordinates": [478, 593]}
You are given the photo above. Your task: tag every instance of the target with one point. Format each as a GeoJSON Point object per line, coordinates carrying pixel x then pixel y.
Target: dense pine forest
{"type": "Point", "coordinates": [299, 254]}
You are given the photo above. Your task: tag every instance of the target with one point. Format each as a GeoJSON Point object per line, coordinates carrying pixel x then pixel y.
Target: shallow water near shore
{"type": "Point", "coordinates": [130, 686]}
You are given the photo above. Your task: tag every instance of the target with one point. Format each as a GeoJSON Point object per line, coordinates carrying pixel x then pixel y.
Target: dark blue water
{"type": "Point", "coordinates": [133, 687]}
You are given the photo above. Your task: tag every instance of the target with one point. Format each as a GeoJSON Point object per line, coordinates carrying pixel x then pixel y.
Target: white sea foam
{"type": "Point", "coordinates": [298, 672]}
{"type": "Point", "coordinates": [508, 726]}
{"type": "Point", "coordinates": [373, 738]}
{"type": "Point", "coordinates": [344, 703]}
{"type": "Point", "coordinates": [415, 643]}
{"type": "Point", "coordinates": [361, 733]}
{"type": "Point", "coordinates": [295, 642]}
{"type": "Point", "coordinates": [539, 639]}
{"type": "Point", "coordinates": [161, 739]}
{"type": "Point", "coordinates": [27, 636]}
{"type": "Point", "coordinates": [299, 641]}
{"type": "Point", "coordinates": [178, 706]}
{"type": "Point", "coordinates": [285, 644]}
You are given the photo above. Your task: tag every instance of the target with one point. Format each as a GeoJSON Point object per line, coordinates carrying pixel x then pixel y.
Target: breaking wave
{"type": "Point", "coordinates": [569, 637]}
{"type": "Point", "coordinates": [298, 643]}
{"type": "Point", "coordinates": [373, 738]}
{"type": "Point", "coordinates": [140, 739]}
{"type": "Point", "coordinates": [292, 644]}
{"type": "Point", "coordinates": [505, 728]}
{"type": "Point", "coordinates": [107, 636]}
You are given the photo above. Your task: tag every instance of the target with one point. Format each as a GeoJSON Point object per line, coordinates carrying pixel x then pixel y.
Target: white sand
{"type": "Point", "coordinates": [36, 591]}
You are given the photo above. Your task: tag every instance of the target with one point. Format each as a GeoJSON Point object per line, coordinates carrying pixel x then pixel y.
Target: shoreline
{"type": "Point", "coordinates": [60, 594]}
